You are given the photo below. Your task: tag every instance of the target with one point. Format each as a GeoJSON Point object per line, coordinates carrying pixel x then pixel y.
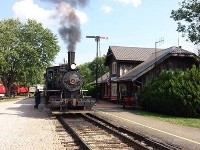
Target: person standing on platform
{"type": "Point", "coordinates": [37, 98]}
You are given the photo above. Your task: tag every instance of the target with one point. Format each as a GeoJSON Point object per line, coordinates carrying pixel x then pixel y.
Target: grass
{"type": "Point", "coordinates": [192, 122]}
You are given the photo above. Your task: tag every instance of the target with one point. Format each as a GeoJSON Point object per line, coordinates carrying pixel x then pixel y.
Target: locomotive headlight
{"type": "Point", "coordinates": [73, 66]}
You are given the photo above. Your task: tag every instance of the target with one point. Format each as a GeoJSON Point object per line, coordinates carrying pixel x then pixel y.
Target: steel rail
{"type": "Point", "coordinates": [81, 142]}
{"type": "Point", "coordinates": [133, 143]}
{"type": "Point", "coordinates": [135, 136]}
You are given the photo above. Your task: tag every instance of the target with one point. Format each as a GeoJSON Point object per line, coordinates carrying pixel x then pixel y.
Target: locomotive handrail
{"type": "Point", "coordinates": [87, 96]}
{"type": "Point", "coordinates": [52, 90]}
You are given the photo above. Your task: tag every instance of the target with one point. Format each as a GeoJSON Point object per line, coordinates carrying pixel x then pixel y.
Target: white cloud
{"type": "Point", "coordinates": [135, 3]}
{"type": "Point", "coordinates": [27, 9]}
{"type": "Point", "coordinates": [82, 16]}
{"type": "Point", "coordinates": [106, 9]}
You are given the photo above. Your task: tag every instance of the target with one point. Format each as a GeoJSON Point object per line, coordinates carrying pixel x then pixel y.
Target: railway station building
{"type": "Point", "coordinates": [130, 68]}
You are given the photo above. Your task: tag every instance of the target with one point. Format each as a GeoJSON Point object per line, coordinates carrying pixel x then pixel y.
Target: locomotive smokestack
{"type": "Point", "coordinates": [71, 58]}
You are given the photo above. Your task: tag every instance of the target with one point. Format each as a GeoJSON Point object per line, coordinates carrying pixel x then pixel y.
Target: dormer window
{"type": "Point", "coordinates": [124, 71]}
{"type": "Point", "coordinates": [114, 68]}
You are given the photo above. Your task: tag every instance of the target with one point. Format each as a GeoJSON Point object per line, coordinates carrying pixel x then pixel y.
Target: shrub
{"type": "Point", "coordinates": [173, 93]}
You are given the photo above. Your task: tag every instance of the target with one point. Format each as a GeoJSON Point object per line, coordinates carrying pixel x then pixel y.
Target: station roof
{"type": "Point", "coordinates": [121, 53]}
{"type": "Point", "coordinates": [147, 65]}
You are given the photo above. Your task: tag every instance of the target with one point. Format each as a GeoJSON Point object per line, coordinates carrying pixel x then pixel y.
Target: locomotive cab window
{"type": "Point", "coordinates": [50, 75]}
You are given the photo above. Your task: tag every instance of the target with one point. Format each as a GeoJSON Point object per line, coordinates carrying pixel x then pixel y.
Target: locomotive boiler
{"type": "Point", "coordinates": [63, 87]}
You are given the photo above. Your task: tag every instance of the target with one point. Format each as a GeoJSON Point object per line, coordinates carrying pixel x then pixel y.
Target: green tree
{"type": "Point", "coordinates": [102, 69]}
{"type": "Point", "coordinates": [189, 17]}
{"type": "Point", "coordinates": [25, 51]}
{"type": "Point", "coordinates": [88, 70]}
{"type": "Point", "coordinates": [86, 73]}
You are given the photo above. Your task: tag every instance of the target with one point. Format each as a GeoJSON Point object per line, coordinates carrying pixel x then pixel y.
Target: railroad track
{"type": "Point", "coordinates": [66, 140]}
{"type": "Point", "coordinates": [92, 132]}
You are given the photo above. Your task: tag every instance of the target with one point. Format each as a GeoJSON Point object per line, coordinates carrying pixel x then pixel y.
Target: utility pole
{"type": "Point", "coordinates": [97, 39]}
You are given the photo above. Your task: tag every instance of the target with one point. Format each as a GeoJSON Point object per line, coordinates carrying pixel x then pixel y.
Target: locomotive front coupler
{"type": "Point", "coordinates": [64, 105]}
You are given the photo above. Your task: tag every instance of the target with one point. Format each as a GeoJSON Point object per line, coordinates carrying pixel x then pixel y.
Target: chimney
{"type": "Point", "coordinates": [71, 58]}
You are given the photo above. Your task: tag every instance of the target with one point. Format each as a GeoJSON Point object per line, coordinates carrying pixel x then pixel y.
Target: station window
{"type": "Point", "coordinates": [114, 68]}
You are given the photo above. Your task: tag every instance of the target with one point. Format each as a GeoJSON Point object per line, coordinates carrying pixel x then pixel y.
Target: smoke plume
{"type": "Point", "coordinates": [73, 3]}
{"type": "Point", "coordinates": [69, 22]}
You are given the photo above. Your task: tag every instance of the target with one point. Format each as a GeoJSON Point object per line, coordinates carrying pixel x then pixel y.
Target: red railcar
{"type": "Point", "coordinates": [15, 90]}
{"type": "Point", "coordinates": [2, 91]}
{"type": "Point", "coordinates": [20, 89]}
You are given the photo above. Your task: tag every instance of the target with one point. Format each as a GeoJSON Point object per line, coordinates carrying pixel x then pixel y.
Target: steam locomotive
{"type": "Point", "coordinates": [63, 87]}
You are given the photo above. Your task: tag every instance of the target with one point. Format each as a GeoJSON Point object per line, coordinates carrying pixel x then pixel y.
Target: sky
{"type": "Point", "coordinates": [134, 23]}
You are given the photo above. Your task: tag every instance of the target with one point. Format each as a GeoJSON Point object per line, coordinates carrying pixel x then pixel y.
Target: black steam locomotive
{"type": "Point", "coordinates": [63, 87]}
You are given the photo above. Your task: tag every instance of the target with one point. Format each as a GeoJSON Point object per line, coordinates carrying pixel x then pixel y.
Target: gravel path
{"type": "Point", "coordinates": [25, 128]}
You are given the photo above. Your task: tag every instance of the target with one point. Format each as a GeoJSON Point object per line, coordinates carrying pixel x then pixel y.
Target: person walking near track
{"type": "Point", "coordinates": [37, 98]}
